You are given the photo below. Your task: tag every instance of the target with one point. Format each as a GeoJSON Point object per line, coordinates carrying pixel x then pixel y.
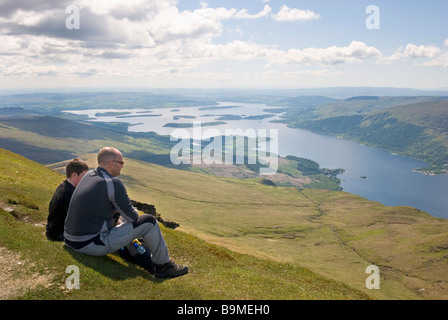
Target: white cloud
{"type": "Point", "coordinates": [170, 24]}
{"type": "Point", "coordinates": [242, 14]}
{"type": "Point", "coordinates": [311, 73]}
{"type": "Point", "coordinates": [238, 51]}
{"type": "Point", "coordinates": [333, 55]}
{"type": "Point", "coordinates": [147, 40]}
{"type": "Point", "coordinates": [135, 10]}
{"type": "Point", "coordinates": [413, 51]}
{"type": "Point", "coordinates": [439, 61]}
{"type": "Point", "coordinates": [290, 14]}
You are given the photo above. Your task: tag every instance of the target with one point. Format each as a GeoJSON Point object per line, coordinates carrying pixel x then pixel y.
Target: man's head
{"type": "Point", "coordinates": [111, 160]}
{"type": "Point", "coordinates": [75, 170]}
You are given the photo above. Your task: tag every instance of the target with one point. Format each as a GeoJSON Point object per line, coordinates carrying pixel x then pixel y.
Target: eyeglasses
{"type": "Point", "coordinates": [120, 162]}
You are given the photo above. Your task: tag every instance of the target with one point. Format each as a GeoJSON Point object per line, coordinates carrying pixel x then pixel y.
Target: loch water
{"type": "Point", "coordinates": [369, 172]}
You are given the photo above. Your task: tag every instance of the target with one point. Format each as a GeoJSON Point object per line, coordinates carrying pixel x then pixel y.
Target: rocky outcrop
{"type": "Point", "coordinates": [151, 209]}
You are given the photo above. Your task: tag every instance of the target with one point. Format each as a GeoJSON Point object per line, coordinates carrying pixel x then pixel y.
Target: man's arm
{"type": "Point", "coordinates": [123, 203]}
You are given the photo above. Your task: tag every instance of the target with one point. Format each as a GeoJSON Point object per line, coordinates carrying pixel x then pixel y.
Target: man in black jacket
{"type": "Point", "coordinates": [58, 208]}
{"type": "Point", "coordinates": [90, 226]}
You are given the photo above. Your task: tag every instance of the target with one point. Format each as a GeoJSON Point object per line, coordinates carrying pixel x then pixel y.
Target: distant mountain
{"type": "Point", "coordinates": [347, 92]}
{"type": "Point", "coordinates": [363, 105]}
{"type": "Point", "coordinates": [49, 139]}
{"type": "Point", "coordinates": [15, 111]}
{"type": "Point", "coordinates": [55, 103]}
{"type": "Point", "coordinates": [411, 126]}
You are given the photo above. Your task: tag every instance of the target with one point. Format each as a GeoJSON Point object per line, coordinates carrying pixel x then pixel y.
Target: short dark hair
{"type": "Point", "coordinates": [75, 166]}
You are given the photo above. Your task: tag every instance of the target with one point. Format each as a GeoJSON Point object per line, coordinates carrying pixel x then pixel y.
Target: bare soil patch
{"type": "Point", "coordinates": [17, 276]}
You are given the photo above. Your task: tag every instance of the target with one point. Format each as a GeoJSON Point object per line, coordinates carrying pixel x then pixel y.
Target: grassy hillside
{"type": "Point", "coordinates": [34, 268]}
{"type": "Point", "coordinates": [47, 139]}
{"type": "Point", "coordinates": [335, 234]}
{"type": "Point", "coordinates": [54, 103]}
{"type": "Point", "coordinates": [418, 130]}
{"type": "Point", "coordinates": [363, 105]}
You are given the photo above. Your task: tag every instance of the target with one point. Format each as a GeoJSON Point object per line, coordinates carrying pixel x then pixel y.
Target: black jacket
{"type": "Point", "coordinates": [57, 211]}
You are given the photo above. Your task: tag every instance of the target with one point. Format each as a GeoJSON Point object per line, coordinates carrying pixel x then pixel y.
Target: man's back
{"type": "Point", "coordinates": [89, 226]}
{"type": "Point", "coordinates": [58, 208]}
{"type": "Point", "coordinates": [91, 211]}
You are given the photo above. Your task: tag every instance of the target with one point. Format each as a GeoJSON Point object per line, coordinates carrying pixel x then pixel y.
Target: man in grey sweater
{"type": "Point", "coordinates": [90, 226]}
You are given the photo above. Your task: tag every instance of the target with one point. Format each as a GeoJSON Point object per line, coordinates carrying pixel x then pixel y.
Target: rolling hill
{"type": "Point", "coordinates": [241, 239]}
{"type": "Point", "coordinates": [35, 268]}
{"type": "Point", "coordinates": [362, 105]}
{"type": "Point", "coordinates": [335, 234]}
{"type": "Point", "coordinates": [48, 139]}
{"type": "Point", "coordinates": [412, 126]}
{"type": "Point", "coordinates": [257, 240]}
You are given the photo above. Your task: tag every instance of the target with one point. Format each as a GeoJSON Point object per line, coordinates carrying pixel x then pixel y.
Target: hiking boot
{"type": "Point", "coordinates": [170, 270]}
{"type": "Point", "coordinates": [142, 260]}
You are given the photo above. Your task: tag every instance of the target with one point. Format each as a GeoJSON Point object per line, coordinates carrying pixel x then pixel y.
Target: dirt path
{"type": "Point", "coordinates": [16, 276]}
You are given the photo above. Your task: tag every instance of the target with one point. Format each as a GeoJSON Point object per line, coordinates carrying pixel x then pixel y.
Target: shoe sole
{"type": "Point", "coordinates": [171, 276]}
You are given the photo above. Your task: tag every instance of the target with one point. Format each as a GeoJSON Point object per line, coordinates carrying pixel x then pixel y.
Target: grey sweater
{"type": "Point", "coordinates": [92, 208]}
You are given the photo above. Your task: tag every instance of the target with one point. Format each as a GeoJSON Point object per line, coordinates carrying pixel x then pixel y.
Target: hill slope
{"type": "Point", "coordinates": [336, 234]}
{"type": "Point", "coordinates": [34, 268]}
{"type": "Point", "coordinates": [418, 130]}
{"type": "Point", "coordinates": [48, 139]}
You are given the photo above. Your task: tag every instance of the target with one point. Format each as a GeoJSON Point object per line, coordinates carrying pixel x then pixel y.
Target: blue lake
{"type": "Point", "coordinates": [369, 172]}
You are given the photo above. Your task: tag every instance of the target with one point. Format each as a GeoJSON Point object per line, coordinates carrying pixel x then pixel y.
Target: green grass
{"type": "Point", "coordinates": [215, 272]}
{"type": "Point", "coordinates": [51, 139]}
{"type": "Point", "coordinates": [335, 234]}
{"type": "Point", "coordinates": [241, 239]}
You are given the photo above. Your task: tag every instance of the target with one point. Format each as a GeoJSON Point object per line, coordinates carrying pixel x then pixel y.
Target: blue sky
{"type": "Point", "coordinates": [223, 44]}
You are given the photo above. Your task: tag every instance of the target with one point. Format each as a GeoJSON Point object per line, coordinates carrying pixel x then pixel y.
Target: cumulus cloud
{"type": "Point", "coordinates": [292, 14]}
{"type": "Point", "coordinates": [412, 51]}
{"type": "Point", "coordinates": [121, 38]}
{"type": "Point", "coordinates": [243, 14]}
{"type": "Point", "coordinates": [440, 61]}
{"type": "Point", "coordinates": [11, 7]}
{"type": "Point", "coordinates": [119, 25]}
{"type": "Point", "coordinates": [333, 55]}
{"type": "Point", "coordinates": [138, 22]}
{"type": "Point", "coordinates": [95, 27]}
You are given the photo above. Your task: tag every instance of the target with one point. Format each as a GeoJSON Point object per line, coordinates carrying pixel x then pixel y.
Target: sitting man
{"type": "Point", "coordinates": [90, 225]}
{"type": "Point", "coordinates": [57, 210]}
